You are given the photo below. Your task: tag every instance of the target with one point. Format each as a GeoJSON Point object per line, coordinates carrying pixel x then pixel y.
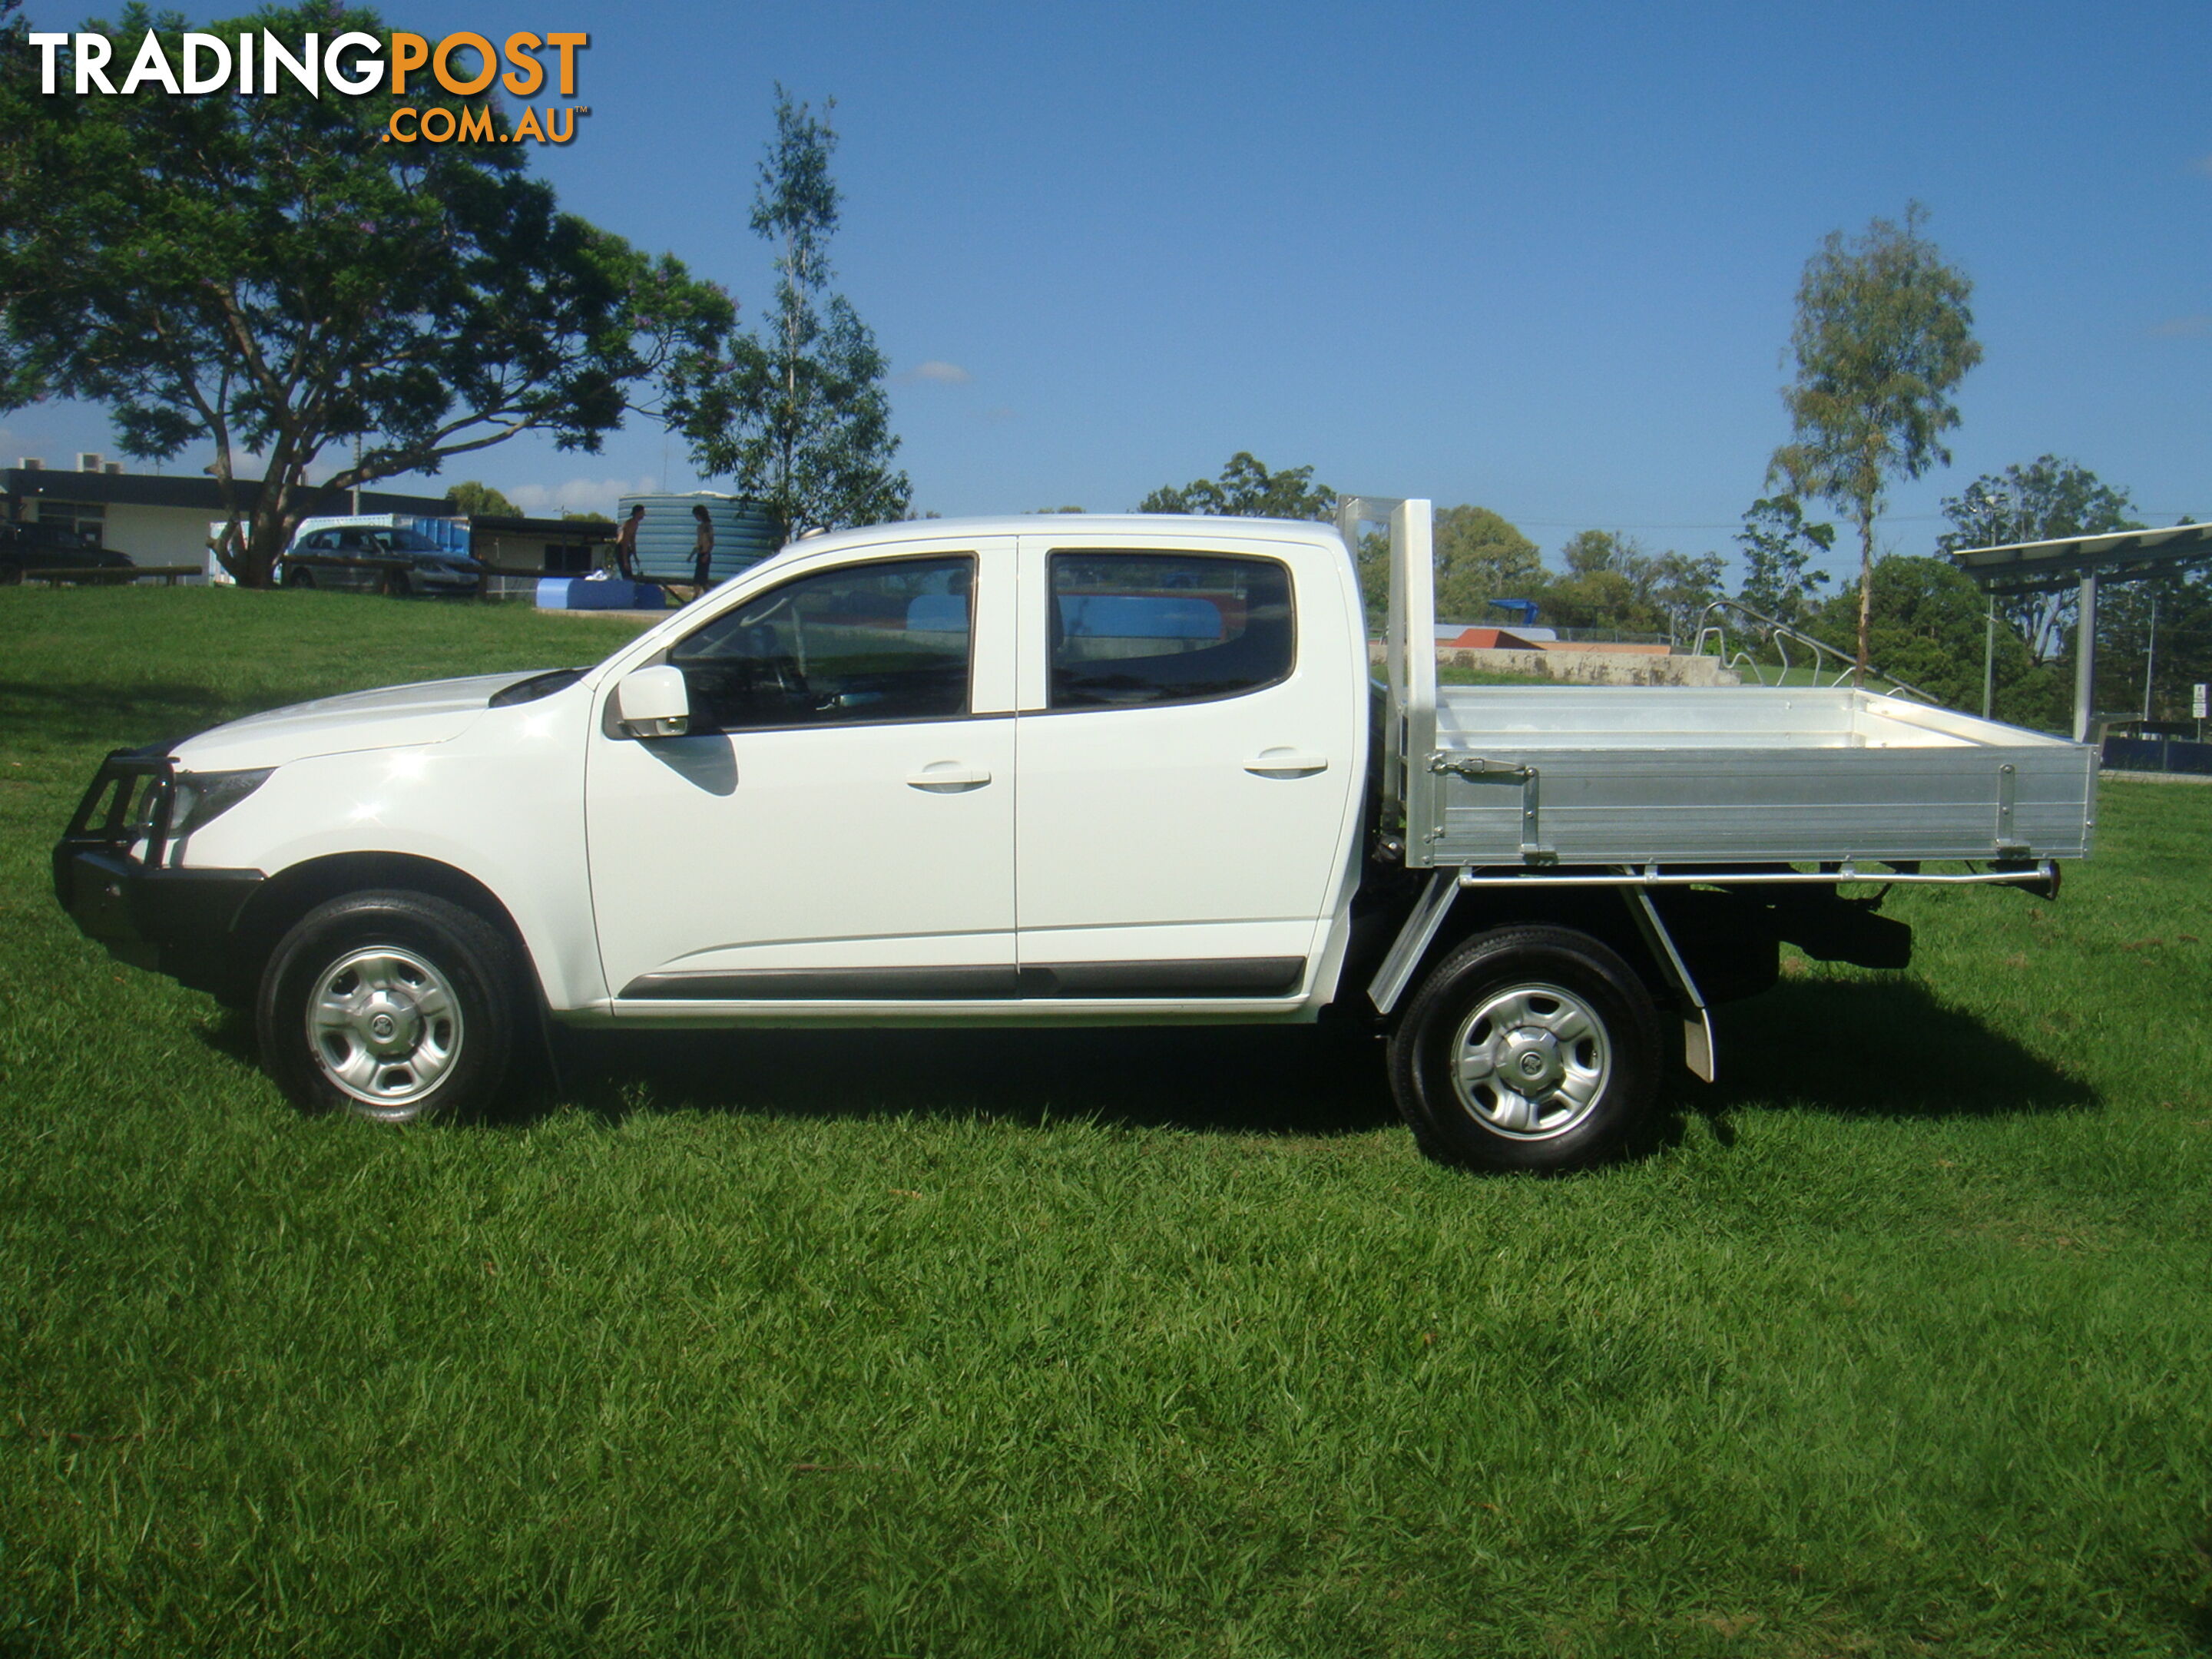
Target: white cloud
{"type": "Point", "coordinates": [577, 495]}
{"type": "Point", "coordinates": [940, 372]}
{"type": "Point", "coordinates": [2184, 328]}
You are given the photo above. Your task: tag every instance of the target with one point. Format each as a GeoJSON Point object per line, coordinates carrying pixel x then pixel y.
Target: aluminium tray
{"type": "Point", "coordinates": [1633, 775]}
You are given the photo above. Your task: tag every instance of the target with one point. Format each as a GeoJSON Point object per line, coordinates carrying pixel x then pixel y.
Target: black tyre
{"type": "Point", "coordinates": [298, 575]}
{"type": "Point", "coordinates": [398, 585]}
{"type": "Point", "coordinates": [391, 1005]}
{"type": "Point", "coordinates": [1527, 1049]}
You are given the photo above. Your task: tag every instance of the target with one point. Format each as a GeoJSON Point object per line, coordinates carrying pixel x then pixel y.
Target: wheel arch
{"type": "Point", "coordinates": [1600, 911]}
{"type": "Point", "coordinates": [292, 892]}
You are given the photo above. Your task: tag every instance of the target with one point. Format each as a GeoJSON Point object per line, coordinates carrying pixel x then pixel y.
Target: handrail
{"type": "Point", "coordinates": [1782, 636]}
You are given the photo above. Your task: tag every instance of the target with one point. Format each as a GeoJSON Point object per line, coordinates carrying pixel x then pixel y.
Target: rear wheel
{"type": "Point", "coordinates": [398, 585]}
{"type": "Point", "coordinates": [1527, 1049]}
{"type": "Point", "coordinates": [298, 575]}
{"type": "Point", "coordinates": [391, 1005]}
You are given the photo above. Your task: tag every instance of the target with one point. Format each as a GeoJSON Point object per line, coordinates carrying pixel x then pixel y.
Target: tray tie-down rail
{"type": "Point", "coordinates": [1475, 768]}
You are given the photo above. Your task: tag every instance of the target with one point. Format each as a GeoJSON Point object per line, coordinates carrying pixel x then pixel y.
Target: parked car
{"type": "Point", "coordinates": [54, 547]}
{"type": "Point", "coordinates": [1041, 771]}
{"type": "Point", "coordinates": [378, 559]}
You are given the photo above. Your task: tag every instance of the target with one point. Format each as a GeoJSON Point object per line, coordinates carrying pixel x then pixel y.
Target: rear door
{"type": "Point", "coordinates": [837, 827]}
{"type": "Point", "coordinates": [1189, 735]}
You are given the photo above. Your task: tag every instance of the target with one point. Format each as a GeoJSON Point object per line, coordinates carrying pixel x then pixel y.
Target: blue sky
{"type": "Point", "coordinates": [1541, 257]}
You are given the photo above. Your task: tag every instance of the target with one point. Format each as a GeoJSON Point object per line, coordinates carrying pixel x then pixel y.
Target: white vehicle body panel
{"type": "Point", "coordinates": [430, 711]}
{"type": "Point", "coordinates": [501, 800]}
{"type": "Point", "coordinates": [1102, 836]}
{"type": "Point", "coordinates": [813, 847]}
{"type": "Point", "coordinates": [1193, 830]}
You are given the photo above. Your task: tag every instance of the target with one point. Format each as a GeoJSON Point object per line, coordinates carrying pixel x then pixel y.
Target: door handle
{"type": "Point", "coordinates": [1285, 763]}
{"type": "Point", "coordinates": [948, 777]}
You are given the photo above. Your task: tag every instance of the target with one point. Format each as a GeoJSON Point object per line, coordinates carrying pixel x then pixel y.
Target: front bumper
{"type": "Point", "coordinates": [109, 877]}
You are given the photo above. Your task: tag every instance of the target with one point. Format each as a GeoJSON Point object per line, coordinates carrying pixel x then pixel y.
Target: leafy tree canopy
{"type": "Point", "coordinates": [1612, 582]}
{"type": "Point", "coordinates": [2047, 500]}
{"type": "Point", "coordinates": [261, 273]}
{"type": "Point", "coordinates": [1928, 623]}
{"type": "Point", "coordinates": [799, 414]}
{"type": "Point", "coordinates": [1779, 545]}
{"type": "Point", "coordinates": [1883, 336]}
{"type": "Point", "coordinates": [1247, 489]}
{"type": "Point", "coordinates": [1482, 556]}
{"type": "Point", "coordinates": [480, 501]}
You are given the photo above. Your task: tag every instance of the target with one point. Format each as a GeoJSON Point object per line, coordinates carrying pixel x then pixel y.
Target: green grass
{"type": "Point", "coordinates": [1036, 1343]}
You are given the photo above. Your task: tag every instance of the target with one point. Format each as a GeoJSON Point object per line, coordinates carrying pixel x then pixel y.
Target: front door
{"type": "Point", "coordinates": [838, 824]}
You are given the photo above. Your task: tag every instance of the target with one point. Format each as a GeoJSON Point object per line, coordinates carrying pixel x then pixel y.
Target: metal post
{"type": "Point", "coordinates": [2085, 658]}
{"type": "Point", "coordinates": [1990, 657]}
{"type": "Point", "coordinates": [2150, 656]}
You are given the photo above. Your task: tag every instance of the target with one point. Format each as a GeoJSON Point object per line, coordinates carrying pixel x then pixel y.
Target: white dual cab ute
{"type": "Point", "coordinates": [1052, 770]}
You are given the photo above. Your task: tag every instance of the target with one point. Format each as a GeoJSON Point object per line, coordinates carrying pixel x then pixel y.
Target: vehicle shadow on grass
{"type": "Point", "coordinates": [1875, 1048]}
{"type": "Point", "coordinates": [1233, 1081]}
{"type": "Point", "coordinates": [1872, 1049]}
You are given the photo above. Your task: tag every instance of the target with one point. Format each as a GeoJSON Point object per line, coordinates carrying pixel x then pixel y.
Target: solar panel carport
{"type": "Point", "coordinates": [2047, 567]}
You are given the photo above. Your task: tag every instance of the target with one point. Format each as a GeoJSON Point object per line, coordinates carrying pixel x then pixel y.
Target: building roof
{"type": "Point", "coordinates": [2030, 566]}
{"type": "Point", "coordinates": [582, 530]}
{"type": "Point", "coordinates": [189, 490]}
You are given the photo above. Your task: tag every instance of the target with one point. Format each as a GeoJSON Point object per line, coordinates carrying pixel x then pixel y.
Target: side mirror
{"type": "Point", "coordinates": [654, 702]}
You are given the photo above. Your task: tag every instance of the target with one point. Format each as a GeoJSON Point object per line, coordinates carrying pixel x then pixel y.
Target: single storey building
{"type": "Point", "coordinates": [154, 519]}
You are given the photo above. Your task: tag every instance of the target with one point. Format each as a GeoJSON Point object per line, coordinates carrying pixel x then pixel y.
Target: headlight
{"type": "Point", "coordinates": [202, 797]}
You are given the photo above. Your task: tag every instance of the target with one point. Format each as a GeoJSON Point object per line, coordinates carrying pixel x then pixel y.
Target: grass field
{"type": "Point", "coordinates": [1126, 1343]}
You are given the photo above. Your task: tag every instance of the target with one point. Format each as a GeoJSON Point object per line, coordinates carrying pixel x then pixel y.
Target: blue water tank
{"type": "Point", "coordinates": [743, 534]}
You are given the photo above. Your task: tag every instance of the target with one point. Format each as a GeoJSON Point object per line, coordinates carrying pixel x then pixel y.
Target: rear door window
{"type": "Point", "coordinates": [1135, 629]}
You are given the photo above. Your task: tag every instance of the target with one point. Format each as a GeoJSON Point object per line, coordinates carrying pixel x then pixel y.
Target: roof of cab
{"type": "Point", "coordinates": [1182, 525]}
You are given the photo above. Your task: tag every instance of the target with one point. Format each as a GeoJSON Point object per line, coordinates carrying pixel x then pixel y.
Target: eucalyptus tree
{"type": "Point", "coordinates": [798, 414]}
{"type": "Point", "coordinates": [1884, 335]}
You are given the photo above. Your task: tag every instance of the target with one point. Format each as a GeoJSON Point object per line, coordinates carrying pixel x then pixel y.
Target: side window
{"type": "Point", "coordinates": [1152, 627]}
{"type": "Point", "coordinates": [883, 641]}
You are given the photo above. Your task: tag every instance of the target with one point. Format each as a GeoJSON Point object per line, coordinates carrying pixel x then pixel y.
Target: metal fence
{"type": "Point", "coordinates": [2157, 754]}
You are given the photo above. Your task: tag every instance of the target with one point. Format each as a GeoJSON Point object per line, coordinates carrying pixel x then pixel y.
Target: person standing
{"type": "Point", "coordinates": [626, 544]}
{"type": "Point", "coordinates": [702, 549]}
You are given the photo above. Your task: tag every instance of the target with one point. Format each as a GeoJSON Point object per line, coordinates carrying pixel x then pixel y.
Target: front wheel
{"type": "Point", "coordinates": [392, 1005]}
{"type": "Point", "coordinates": [1527, 1049]}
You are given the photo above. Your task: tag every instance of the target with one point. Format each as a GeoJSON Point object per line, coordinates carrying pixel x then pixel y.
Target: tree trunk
{"type": "Point", "coordinates": [1866, 586]}
{"type": "Point", "coordinates": [270, 532]}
